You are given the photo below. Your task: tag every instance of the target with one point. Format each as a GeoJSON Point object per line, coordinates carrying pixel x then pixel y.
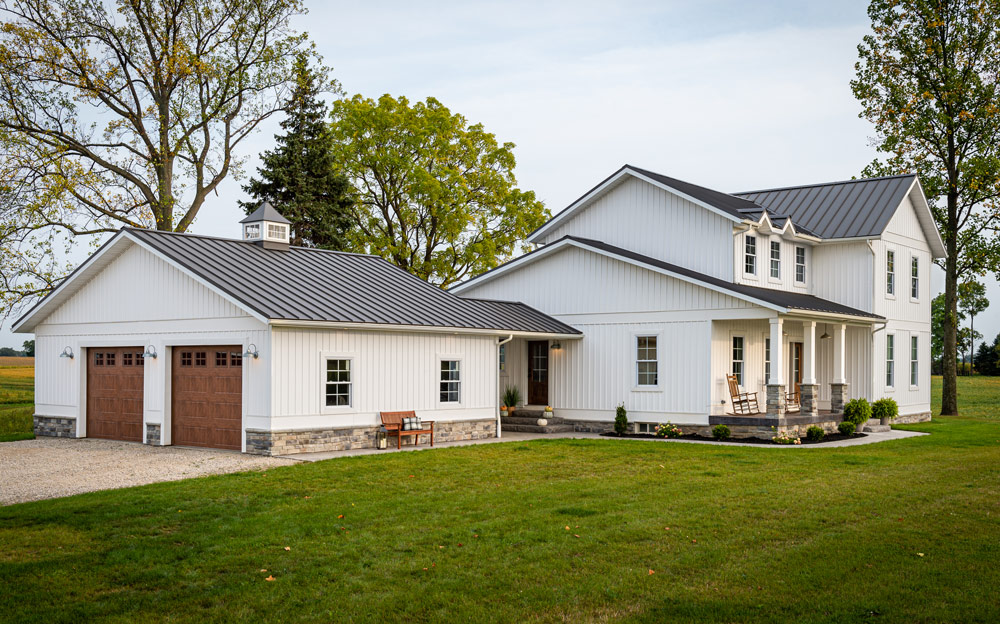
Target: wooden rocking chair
{"type": "Point", "coordinates": [744, 403]}
{"type": "Point", "coordinates": [793, 399]}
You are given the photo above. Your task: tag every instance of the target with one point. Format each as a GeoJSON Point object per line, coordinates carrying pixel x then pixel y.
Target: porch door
{"type": "Point", "coordinates": [538, 372]}
{"type": "Point", "coordinates": [795, 361]}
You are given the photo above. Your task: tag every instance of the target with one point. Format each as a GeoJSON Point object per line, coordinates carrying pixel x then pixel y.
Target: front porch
{"type": "Point", "coordinates": [807, 379]}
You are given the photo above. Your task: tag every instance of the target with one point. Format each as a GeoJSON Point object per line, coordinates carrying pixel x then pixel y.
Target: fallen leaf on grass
{"type": "Point", "coordinates": [920, 554]}
{"type": "Point", "coordinates": [264, 570]}
{"type": "Point", "coordinates": [340, 516]}
{"type": "Point", "coordinates": [288, 547]}
{"type": "Point", "coordinates": [651, 573]}
{"type": "Point", "coordinates": [575, 535]}
{"type": "Point", "coordinates": [307, 497]}
{"type": "Point", "coordinates": [269, 578]}
{"type": "Point", "coordinates": [694, 541]}
{"type": "Point", "coordinates": [460, 544]}
{"type": "Point", "coordinates": [567, 527]}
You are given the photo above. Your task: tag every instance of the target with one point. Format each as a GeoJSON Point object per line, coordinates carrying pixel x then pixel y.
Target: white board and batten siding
{"type": "Point", "coordinates": [762, 277]}
{"type": "Point", "coordinates": [907, 316]}
{"type": "Point", "coordinates": [391, 371]}
{"type": "Point", "coordinates": [612, 302]}
{"type": "Point", "coordinates": [642, 218]}
{"type": "Point", "coordinates": [140, 300]}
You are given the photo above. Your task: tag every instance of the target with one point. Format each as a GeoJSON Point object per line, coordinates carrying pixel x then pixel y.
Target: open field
{"type": "Point", "coordinates": [17, 392]}
{"type": "Point", "coordinates": [552, 530]}
{"type": "Point", "coordinates": [6, 360]}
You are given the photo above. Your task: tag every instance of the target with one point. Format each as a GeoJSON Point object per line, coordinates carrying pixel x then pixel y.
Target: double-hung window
{"type": "Point", "coordinates": [915, 277]}
{"type": "Point", "coordinates": [503, 357]}
{"type": "Point", "coordinates": [767, 360]}
{"type": "Point", "coordinates": [750, 255]}
{"type": "Point", "coordinates": [738, 358]}
{"type": "Point", "coordinates": [890, 272]}
{"type": "Point", "coordinates": [646, 362]}
{"type": "Point", "coordinates": [914, 367]}
{"type": "Point", "coordinates": [451, 381]}
{"type": "Point", "coordinates": [890, 360]}
{"type": "Point", "coordinates": [776, 259]}
{"type": "Point", "coordinates": [339, 383]}
{"type": "Point", "coordinates": [800, 265]}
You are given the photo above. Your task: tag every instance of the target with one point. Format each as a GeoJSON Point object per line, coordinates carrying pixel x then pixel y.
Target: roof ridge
{"type": "Point", "coordinates": [802, 186]}
{"type": "Point", "coordinates": [226, 239]}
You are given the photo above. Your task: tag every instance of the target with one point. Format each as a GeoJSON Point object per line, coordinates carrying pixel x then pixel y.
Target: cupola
{"type": "Point", "coordinates": [266, 227]}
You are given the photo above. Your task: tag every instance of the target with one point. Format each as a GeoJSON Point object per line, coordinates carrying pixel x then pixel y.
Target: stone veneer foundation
{"type": "Point", "coordinates": [55, 426]}
{"type": "Point", "coordinates": [261, 442]}
{"type": "Point", "coordinates": [739, 427]}
{"type": "Point", "coordinates": [905, 419]}
{"type": "Point", "coordinates": [152, 434]}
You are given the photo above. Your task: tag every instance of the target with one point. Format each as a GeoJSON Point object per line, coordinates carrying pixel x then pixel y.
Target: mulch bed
{"type": "Point", "coordinates": [830, 437]}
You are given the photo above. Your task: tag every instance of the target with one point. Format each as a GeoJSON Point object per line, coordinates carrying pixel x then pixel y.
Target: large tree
{"type": "Point", "coordinates": [928, 79]}
{"type": "Point", "coordinates": [125, 115]}
{"type": "Point", "coordinates": [436, 196]}
{"type": "Point", "coordinates": [299, 176]}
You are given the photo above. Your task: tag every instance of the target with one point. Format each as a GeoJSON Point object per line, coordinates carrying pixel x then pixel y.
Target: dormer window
{"type": "Point", "coordinates": [267, 228]}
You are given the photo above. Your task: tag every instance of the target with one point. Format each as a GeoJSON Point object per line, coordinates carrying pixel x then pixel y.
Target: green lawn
{"type": "Point", "coordinates": [554, 530]}
{"type": "Point", "coordinates": [17, 392]}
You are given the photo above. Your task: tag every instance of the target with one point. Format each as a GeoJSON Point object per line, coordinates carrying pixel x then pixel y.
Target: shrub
{"type": "Point", "coordinates": [846, 428]}
{"type": "Point", "coordinates": [885, 408]}
{"type": "Point", "coordinates": [621, 420]}
{"type": "Point", "coordinates": [668, 430]}
{"type": "Point", "coordinates": [815, 434]}
{"type": "Point", "coordinates": [721, 432]}
{"type": "Point", "coordinates": [511, 396]}
{"type": "Point", "coordinates": [858, 411]}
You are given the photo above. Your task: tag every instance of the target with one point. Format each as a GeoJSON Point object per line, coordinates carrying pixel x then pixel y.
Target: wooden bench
{"type": "Point", "coordinates": [393, 423]}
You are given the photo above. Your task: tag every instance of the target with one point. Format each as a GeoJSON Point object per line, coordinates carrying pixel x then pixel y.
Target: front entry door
{"type": "Point", "coordinates": [538, 372]}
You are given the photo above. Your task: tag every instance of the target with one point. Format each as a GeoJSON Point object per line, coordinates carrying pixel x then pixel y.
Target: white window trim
{"type": "Point", "coordinates": [635, 363]}
{"type": "Point", "coordinates": [502, 358]}
{"type": "Point", "coordinates": [885, 355]}
{"type": "Point", "coordinates": [756, 253]}
{"type": "Point", "coordinates": [771, 260]}
{"type": "Point", "coordinates": [338, 409]}
{"type": "Point", "coordinates": [442, 357]}
{"type": "Point", "coordinates": [914, 386]}
{"type": "Point", "coordinates": [767, 357]}
{"type": "Point", "coordinates": [912, 298]}
{"type": "Point", "coordinates": [805, 264]}
{"type": "Point", "coordinates": [895, 282]}
{"type": "Point", "coordinates": [743, 373]}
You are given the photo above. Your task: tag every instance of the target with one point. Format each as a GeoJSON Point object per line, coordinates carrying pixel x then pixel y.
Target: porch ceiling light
{"type": "Point", "coordinates": [251, 351]}
{"type": "Point", "coordinates": [67, 353]}
{"type": "Point", "coordinates": [825, 333]}
{"type": "Point", "coordinates": [150, 352]}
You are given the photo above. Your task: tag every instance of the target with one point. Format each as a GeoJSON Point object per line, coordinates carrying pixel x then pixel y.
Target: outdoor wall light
{"type": "Point", "coordinates": [67, 353]}
{"type": "Point", "coordinates": [251, 351]}
{"type": "Point", "coordinates": [556, 346]}
{"type": "Point", "coordinates": [150, 352]}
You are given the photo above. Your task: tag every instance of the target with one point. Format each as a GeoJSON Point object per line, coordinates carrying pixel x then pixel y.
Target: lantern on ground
{"type": "Point", "coordinates": [381, 438]}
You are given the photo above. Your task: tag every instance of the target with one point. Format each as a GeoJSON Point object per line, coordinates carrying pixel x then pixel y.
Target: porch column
{"type": "Point", "coordinates": [775, 383]}
{"type": "Point", "coordinates": [838, 387]}
{"type": "Point", "coordinates": [808, 387]}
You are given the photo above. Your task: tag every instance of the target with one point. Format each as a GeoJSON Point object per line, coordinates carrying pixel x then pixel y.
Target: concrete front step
{"type": "Point", "coordinates": [529, 413]}
{"type": "Point", "coordinates": [528, 420]}
{"type": "Point", "coordinates": [873, 425]}
{"type": "Point", "coordinates": [537, 429]}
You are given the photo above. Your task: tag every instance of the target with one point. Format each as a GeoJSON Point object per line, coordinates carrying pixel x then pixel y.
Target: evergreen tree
{"type": "Point", "coordinates": [299, 176]}
{"type": "Point", "coordinates": [988, 358]}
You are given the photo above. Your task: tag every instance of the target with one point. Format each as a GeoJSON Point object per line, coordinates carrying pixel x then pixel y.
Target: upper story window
{"type": "Point", "coordinates": [646, 362]}
{"type": "Point", "coordinates": [776, 259]}
{"type": "Point", "coordinates": [750, 255]}
{"type": "Point", "coordinates": [800, 265]}
{"type": "Point", "coordinates": [738, 359]}
{"type": "Point", "coordinates": [890, 360]}
{"type": "Point", "coordinates": [890, 272]}
{"type": "Point", "coordinates": [915, 277]}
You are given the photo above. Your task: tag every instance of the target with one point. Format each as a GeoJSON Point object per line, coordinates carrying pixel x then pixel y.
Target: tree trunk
{"type": "Point", "coordinates": [972, 340]}
{"type": "Point", "coordinates": [949, 396]}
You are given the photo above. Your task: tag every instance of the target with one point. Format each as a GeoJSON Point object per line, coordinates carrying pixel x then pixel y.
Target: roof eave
{"type": "Point", "coordinates": [422, 329]}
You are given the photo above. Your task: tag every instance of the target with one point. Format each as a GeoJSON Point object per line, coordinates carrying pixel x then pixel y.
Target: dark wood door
{"type": "Point", "coordinates": [538, 372]}
{"type": "Point", "coordinates": [114, 393]}
{"type": "Point", "coordinates": [207, 396]}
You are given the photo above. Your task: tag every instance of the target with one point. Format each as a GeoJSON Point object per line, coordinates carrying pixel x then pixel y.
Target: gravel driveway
{"type": "Point", "coordinates": [54, 467]}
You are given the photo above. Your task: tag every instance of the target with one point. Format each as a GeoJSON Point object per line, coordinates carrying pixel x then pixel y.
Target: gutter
{"type": "Point", "coordinates": [500, 343]}
{"type": "Point", "coordinates": [420, 329]}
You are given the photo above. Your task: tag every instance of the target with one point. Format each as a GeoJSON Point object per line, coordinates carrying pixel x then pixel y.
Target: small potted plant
{"type": "Point", "coordinates": [858, 411]}
{"type": "Point", "coordinates": [885, 410]}
{"type": "Point", "coordinates": [511, 397]}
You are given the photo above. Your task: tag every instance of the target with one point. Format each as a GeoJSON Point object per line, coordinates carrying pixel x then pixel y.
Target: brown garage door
{"type": "Point", "coordinates": [114, 393]}
{"type": "Point", "coordinates": [207, 396]}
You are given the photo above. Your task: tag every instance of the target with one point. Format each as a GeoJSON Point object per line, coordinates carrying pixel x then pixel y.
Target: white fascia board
{"type": "Point", "coordinates": [209, 285]}
{"type": "Point", "coordinates": [865, 320]}
{"type": "Point", "coordinates": [516, 263]}
{"type": "Point", "coordinates": [27, 323]}
{"type": "Point", "coordinates": [419, 329]}
{"type": "Point", "coordinates": [926, 218]}
{"type": "Point", "coordinates": [613, 181]}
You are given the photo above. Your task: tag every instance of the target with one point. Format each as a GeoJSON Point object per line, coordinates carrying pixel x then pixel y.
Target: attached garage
{"type": "Point", "coordinates": [115, 393]}
{"type": "Point", "coordinates": [207, 396]}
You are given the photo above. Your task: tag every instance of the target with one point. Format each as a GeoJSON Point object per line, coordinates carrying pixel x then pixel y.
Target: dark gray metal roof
{"type": "Point", "coordinates": [849, 209]}
{"type": "Point", "coordinates": [319, 285]}
{"type": "Point", "coordinates": [265, 212]}
{"type": "Point", "coordinates": [784, 299]}
{"type": "Point", "coordinates": [727, 203]}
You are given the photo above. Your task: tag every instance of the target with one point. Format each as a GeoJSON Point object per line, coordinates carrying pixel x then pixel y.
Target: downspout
{"type": "Point", "coordinates": [500, 343]}
{"type": "Point", "coordinates": [873, 378]}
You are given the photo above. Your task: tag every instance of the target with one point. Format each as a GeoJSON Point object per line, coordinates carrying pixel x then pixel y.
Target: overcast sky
{"type": "Point", "coordinates": [731, 95]}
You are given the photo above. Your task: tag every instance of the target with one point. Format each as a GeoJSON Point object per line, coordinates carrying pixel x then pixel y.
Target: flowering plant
{"type": "Point", "coordinates": [668, 430]}
{"type": "Point", "coordinates": [785, 438]}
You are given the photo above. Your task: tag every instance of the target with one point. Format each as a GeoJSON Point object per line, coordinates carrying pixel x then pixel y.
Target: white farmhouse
{"type": "Point", "coordinates": [647, 291]}
{"type": "Point", "coordinates": [822, 288]}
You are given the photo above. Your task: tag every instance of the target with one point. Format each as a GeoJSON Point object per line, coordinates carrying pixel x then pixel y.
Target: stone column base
{"type": "Point", "coordinates": [153, 434]}
{"type": "Point", "coordinates": [809, 399]}
{"type": "Point", "coordinates": [54, 426]}
{"type": "Point", "coordinates": [775, 401]}
{"type": "Point", "coordinates": [838, 397]}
